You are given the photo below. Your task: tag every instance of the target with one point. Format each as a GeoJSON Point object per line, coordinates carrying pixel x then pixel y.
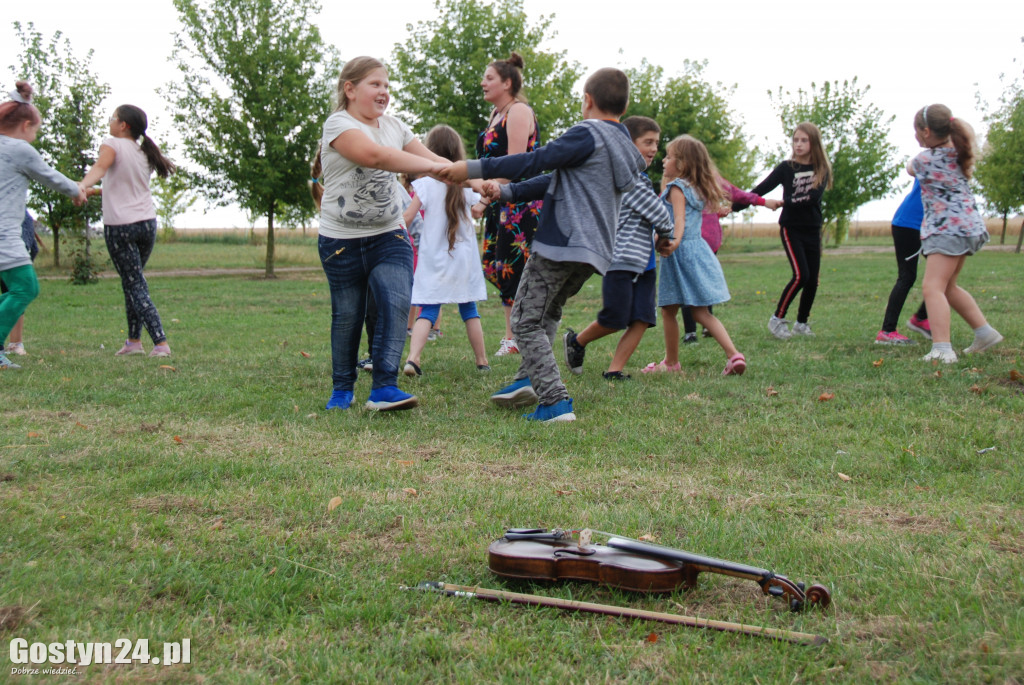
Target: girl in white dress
{"type": "Point", "coordinates": [448, 267]}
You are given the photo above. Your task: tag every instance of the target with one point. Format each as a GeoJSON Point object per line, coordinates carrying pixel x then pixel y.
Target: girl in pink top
{"type": "Point", "coordinates": [127, 160]}
{"type": "Point", "coordinates": [711, 231]}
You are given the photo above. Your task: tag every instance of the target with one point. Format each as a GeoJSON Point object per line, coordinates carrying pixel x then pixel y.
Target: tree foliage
{"type": "Point", "coordinates": [68, 95]}
{"type": "Point", "coordinates": [437, 71]}
{"type": "Point", "coordinates": [1000, 171]}
{"type": "Point", "coordinates": [688, 103]}
{"type": "Point", "coordinates": [256, 82]}
{"type": "Point", "coordinates": [855, 134]}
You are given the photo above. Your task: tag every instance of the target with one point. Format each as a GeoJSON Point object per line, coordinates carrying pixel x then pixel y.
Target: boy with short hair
{"type": "Point", "coordinates": [594, 163]}
{"type": "Point", "coordinates": [628, 288]}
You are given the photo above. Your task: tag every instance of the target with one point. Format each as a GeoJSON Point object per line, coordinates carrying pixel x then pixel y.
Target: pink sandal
{"type": "Point", "coordinates": [661, 367]}
{"type": "Point", "coordinates": [736, 365]}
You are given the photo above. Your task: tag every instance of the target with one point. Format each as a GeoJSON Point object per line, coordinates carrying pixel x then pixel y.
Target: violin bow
{"type": "Point", "coordinates": [622, 612]}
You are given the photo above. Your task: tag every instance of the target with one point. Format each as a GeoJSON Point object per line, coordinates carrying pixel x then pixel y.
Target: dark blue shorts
{"type": "Point", "coordinates": [628, 297]}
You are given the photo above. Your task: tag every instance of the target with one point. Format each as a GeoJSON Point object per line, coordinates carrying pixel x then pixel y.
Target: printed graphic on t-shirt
{"type": "Point", "coordinates": [373, 199]}
{"type": "Point", "coordinates": [803, 184]}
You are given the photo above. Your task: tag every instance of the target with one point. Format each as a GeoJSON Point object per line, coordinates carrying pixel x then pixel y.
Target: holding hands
{"type": "Point", "coordinates": [666, 246]}
{"type": "Point", "coordinates": [456, 173]}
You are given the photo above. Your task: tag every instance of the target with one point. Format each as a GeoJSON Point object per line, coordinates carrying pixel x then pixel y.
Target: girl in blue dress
{"type": "Point", "coordinates": [692, 276]}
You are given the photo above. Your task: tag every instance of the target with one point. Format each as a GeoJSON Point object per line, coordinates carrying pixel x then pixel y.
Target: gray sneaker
{"type": "Point", "coordinates": [6, 363]}
{"type": "Point", "coordinates": [802, 329]}
{"type": "Point", "coordinates": [984, 341]}
{"type": "Point", "coordinates": [779, 328]}
{"type": "Point", "coordinates": [574, 352]}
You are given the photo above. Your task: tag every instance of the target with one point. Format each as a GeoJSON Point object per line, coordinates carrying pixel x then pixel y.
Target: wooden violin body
{"type": "Point", "coordinates": [538, 554]}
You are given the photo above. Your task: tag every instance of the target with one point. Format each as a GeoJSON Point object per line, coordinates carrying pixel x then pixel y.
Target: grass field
{"type": "Point", "coordinates": [189, 498]}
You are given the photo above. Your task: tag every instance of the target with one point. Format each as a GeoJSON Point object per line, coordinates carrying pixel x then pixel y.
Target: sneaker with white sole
{"type": "Point", "coordinates": [550, 413]}
{"type": "Point", "coordinates": [508, 346]}
{"type": "Point", "coordinates": [390, 398]}
{"type": "Point", "coordinates": [6, 363]}
{"type": "Point", "coordinates": [130, 348]}
{"type": "Point", "coordinates": [803, 329]}
{"type": "Point", "coordinates": [893, 338]}
{"type": "Point", "coordinates": [518, 394]}
{"type": "Point", "coordinates": [779, 328]}
{"type": "Point", "coordinates": [944, 356]}
{"type": "Point", "coordinates": [574, 352]}
{"type": "Point", "coordinates": [984, 341]}
{"type": "Point", "coordinates": [920, 326]}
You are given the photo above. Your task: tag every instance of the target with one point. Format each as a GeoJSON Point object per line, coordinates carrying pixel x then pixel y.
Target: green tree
{"type": "Point", "coordinates": [437, 71]}
{"type": "Point", "coordinates": [68, 95]}
{"type": "Point", "coordinates": [255, 87]}
{"type": "Point", "coordinates": [688, 103]}
{"type": "Point", "coordinates": [855, 134]}
{"type": "Point", "coordinates": [1000, 171]}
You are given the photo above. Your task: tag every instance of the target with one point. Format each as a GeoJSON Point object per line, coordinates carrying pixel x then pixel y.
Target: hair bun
{"type": "Point", "coordinates": [24, 90]}
{"type": "Point", "coordinates": [516, 60]}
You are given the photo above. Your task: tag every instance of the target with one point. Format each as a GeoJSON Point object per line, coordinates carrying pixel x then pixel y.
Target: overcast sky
{"type": "Point", "coordinates": [909, 53]}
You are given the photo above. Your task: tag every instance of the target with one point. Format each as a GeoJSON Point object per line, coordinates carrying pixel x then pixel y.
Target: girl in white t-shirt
{"type": "Point", "coordinates": [363, 243]}
{"type": "Point", "coordinates": [127, 159]}
{"type": "Point", "coordinates": [448, 266]}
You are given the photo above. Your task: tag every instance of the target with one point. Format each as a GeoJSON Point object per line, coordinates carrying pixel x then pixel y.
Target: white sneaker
{"type": "Point", "coordinates": [980, 344]}
{"type": "Point", "coordinates": [944, 356]}
{"type": "Point", "coordinates": [508, 346]}
{"type": "Point", "coordinates": [779, 328]}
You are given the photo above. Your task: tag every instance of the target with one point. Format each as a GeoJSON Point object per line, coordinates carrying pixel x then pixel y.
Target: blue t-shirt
{"type": "Point", "coordinates": [911, 211]}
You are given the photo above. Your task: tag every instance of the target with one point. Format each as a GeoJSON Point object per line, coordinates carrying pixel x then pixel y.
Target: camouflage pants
{"type": "Point", "coordinates": [536, 313]}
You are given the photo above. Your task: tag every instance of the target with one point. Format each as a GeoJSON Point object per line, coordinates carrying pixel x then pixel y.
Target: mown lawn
{"type": "Point", "coordinates": [188, 498]}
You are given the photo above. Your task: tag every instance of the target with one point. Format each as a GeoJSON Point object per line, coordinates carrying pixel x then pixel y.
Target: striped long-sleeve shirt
{"type": "Point", "coordinates": [641, 211]}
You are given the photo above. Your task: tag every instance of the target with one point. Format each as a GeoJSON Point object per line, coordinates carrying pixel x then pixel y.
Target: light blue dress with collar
{"type": "Point", "coordinates": [690, 276]}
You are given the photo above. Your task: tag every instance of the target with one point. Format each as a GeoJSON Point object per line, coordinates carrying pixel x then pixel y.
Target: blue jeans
{"type": "Point", "coordinates": [381, 264]}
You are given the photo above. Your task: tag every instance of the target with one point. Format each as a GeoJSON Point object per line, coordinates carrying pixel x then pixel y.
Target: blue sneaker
{"type": "Point", "coordinates": [390, 398]}
{"type": "Point", "coordinates": [340, 399]}
{"type": "Point", "coordinates": [546, 413]}
{"type": "Point", "coordinates": [519, 394]}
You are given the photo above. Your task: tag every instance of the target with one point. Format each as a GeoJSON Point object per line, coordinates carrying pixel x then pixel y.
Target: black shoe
{"type": "Point", "coordinates": [574, 352]}
{"type": "Point", "coordinates": [616, 376]}
{"type": "Point", "coordinates": [690, 339]}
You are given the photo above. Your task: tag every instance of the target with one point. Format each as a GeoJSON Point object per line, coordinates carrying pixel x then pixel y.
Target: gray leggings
{"type": "Point", "coordinates": [129, 246]}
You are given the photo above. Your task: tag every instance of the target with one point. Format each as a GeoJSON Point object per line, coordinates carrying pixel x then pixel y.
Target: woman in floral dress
{"type": "Point", "coordinates": [508, 228]}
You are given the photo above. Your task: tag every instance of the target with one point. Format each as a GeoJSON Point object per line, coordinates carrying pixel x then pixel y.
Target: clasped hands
{"type": "Point", "coordinates": [456, 173]}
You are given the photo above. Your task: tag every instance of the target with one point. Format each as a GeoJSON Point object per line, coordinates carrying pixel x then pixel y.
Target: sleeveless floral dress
{"type": "Point", "coordinates": [508, 228]}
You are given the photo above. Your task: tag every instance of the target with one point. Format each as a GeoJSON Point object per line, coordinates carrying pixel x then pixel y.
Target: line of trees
{"type": "Point", "coordinates": [256, 81]}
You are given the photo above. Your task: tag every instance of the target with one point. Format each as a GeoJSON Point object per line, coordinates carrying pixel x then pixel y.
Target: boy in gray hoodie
{"type": "Point", "coordinates": [593, 164]}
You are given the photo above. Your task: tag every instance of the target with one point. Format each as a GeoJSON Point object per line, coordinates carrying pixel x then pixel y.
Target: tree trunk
{"type": "Point", "coordinates": [270, 243]}
{"type": "Point", "coordinates": [56, 245]}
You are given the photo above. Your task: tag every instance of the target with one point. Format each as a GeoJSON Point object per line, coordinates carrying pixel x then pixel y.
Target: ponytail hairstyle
{"type": "Point", "coordinates": [694, 165]}
{"type": "Point", "coordinates": [137, 123]}
{"type": "Point", "coordinates": [511, 69]}
{"type": "Point", "coordinates": [19, 108]}
{"type": "Point", "coordinates": [316, 186]}
{"type": "Point", "coordinates": [940, 121]}
{"type": "Point", "coordinates": [354, 71]}
{"type": "Point", "coordinates": [444, 141]}
{"type": "Point", "coordinates": [819, 158]}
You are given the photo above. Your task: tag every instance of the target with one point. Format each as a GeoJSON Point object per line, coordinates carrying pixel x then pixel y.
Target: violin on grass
{"type": "Point", "coordinates": [540, 554]}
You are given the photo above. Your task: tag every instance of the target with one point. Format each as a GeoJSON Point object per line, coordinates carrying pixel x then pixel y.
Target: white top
{"type": "Point", "coordinates": [359, 201]}
{"type": "Point", "coordinates": [444, 277]}
{"type": "Point", "coordinates": [19, 164]}
{"type": "Point", "coordinates": [126, 197]}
